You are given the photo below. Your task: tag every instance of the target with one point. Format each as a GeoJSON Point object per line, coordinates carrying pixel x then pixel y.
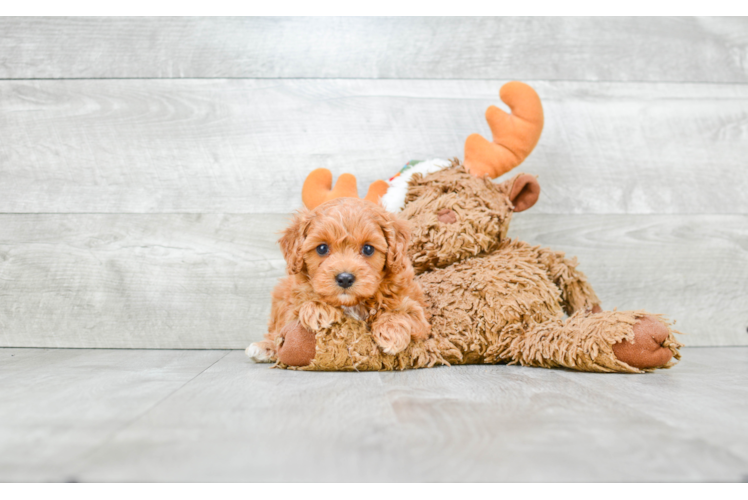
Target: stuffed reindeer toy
{"type": "Point", "coordinates": [468, 295]}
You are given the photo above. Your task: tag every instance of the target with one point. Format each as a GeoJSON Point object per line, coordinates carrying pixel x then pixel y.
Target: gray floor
{"type": "Point", "coordinates": [178, 415]}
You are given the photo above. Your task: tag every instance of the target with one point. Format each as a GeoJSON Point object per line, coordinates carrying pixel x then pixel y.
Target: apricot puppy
{"type": "Point", "coordinates": [347, 256]}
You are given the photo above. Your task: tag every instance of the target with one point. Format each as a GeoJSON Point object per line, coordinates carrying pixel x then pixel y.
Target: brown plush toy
{"type": "Point", "coordinates": [489, 299]}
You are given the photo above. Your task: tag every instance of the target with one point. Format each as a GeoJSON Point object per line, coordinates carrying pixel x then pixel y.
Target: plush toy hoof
{"type": "Point", "coordinates": [299, 345]}
{"type": "Point", "coordinates": [646, 350]}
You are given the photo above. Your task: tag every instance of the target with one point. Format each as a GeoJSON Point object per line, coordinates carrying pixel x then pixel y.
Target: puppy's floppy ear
{"type": "Point", "coordinates": [397, 233]}
{"type": "Point", "coordinates": [293, 239]}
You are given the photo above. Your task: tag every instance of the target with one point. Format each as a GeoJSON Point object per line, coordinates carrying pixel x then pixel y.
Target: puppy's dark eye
{"type": "Point", "coordinates": [323, 249]}
{"type": "Point", "coordinates": [368, 250]}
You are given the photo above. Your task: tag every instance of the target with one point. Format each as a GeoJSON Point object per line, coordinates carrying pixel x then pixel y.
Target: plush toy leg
{"type": "Point", "coordinates": [610, 341]}
{"type": "Point", "coordinates": [349, 346]}
{"type": "Point", "coordinates": [298, 348]}
{"type": "Point", "coordinates": [649, 348]}
{"type": "Point", "coordinates": [576, 292]}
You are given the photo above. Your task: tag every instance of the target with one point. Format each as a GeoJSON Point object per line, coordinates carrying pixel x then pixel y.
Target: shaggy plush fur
{"type": "Point", "coordinates": [480, 211]}
{"type": "Point", "coordinates": [320, 246]}
{"type": "Point", "coordinates": [583, 342]}
{"type": "Point", "coordinates": [493, 300]}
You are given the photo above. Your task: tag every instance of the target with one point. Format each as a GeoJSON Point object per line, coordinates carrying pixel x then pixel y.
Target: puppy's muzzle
{"type": "Point", "coordinates": [345, 280]}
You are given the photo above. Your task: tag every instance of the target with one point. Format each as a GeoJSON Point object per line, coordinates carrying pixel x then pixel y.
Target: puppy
{"type": "Point", "coordinates": [347, 256]}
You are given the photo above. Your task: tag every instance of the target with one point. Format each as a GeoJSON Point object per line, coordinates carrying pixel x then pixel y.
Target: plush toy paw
{"type": "Point", "coordinates": [316, 316]}
{"type": "Point", "coordinates": [299, 345]}
{"type": "Point", "coordinates": [261, 352]}
{"type": "Point", "coordinates": [647, 349]}
{"type": "Point", "coordinates": [391, 333]}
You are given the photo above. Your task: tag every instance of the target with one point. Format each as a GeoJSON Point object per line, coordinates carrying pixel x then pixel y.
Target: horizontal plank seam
{"type": "Point", "coordinates": [192, 349]}
{"type": "Point", "coordinates": [686, 82]}
{"type": "Point", "coordinates": [554, 214]}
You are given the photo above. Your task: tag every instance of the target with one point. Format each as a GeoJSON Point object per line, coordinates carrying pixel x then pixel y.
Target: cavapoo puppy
{"type": "Point", "coordinates": [347, 256]}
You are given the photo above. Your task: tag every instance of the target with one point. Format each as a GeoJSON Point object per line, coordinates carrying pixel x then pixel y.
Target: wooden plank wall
{"type": "Point", "coordinates": [147, 163]}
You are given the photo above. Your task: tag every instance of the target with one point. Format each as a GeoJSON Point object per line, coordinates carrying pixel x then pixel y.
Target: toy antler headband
{"type": "Point", "coordinates": [318, 188]}
{"type": "Point", "coordinates": [514, 135]}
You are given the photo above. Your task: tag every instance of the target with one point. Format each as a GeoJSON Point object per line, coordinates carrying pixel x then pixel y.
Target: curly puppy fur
{"type": "Point", "coordinates": [322, 244]}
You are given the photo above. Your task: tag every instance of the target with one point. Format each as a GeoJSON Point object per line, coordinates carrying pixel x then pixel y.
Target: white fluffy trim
{"type": "Point", "coordinates": [394, 199]}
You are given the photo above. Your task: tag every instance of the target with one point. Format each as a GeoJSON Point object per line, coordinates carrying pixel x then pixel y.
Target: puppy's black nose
{"type": "Point", "coordinates": [345, 280]}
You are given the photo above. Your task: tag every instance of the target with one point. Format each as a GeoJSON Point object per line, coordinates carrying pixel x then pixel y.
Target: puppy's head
{"type": "Point", "coordinates": [346, 248]}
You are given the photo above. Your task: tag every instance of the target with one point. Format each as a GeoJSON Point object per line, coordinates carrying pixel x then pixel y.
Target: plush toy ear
{"type": "Point", "coordinates": [525, 192]}
{"type": "Point", "coordinates": [397, 233]}
{"type": "Point", "coordinates": [293, 239]}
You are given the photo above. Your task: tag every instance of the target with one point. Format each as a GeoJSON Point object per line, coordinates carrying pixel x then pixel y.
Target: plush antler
{"type": "Point", "coordinates": [318, 188]}
{"type": "Point", "coordinates": [514, 135]}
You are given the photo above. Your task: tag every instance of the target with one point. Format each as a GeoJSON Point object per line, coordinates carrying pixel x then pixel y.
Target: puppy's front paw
{"type": "Point", "coordinates": [262, 352]}
{"type": "Point", "coordinates": [316, 316]}
{"type": "Point", "coordinates": [392, 333]}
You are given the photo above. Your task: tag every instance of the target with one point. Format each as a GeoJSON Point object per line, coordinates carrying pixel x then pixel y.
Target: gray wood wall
{"type": "Point", "coordinates": [146, 164]}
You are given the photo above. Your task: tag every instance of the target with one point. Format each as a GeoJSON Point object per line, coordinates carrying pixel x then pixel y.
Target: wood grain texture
{"type": "Point", "coordinates": [158, 281]}
{"type": "Point", "coordinates": [142, 213]}
{"type": "Point", "coordinates": [524, 425]}
{"type": "Point", "coordinates": [239, 421]}
{"type": "Point", "coordinates": [204, 281]}
{"type": "Point", "coordinates": [59, 406]}
{"type": "Point", "coordinates": [245, 146]}
{"type": "Point", "coordinates": [348, 489]}
{"type": "Point", "coordinates": [577, 48]}
{"type": "Point", "coordinates": [717, 375]}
